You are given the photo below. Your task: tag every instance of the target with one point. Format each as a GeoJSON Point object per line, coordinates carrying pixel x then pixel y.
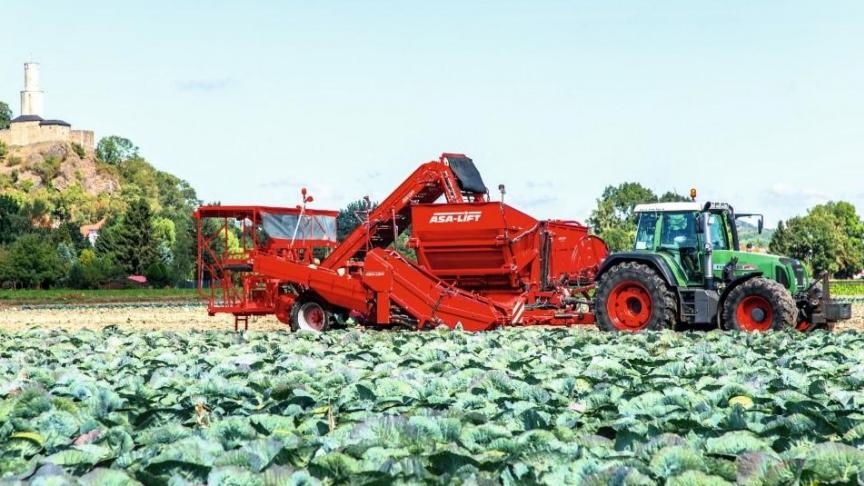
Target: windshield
{"type": "Point", "coordinates": [281, 226]}
{"type": "Point", "coordinates": [679, 231]}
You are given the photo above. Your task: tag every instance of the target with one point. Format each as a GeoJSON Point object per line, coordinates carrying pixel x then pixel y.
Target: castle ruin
{"type": "Point", "coordinates": [30, 128]}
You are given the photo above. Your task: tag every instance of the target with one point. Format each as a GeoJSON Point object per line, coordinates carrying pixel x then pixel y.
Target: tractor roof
{"type": "Point", "coordinates": [668, 207]}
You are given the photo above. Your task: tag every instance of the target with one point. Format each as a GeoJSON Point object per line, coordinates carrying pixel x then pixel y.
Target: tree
{"type": "Point", "coordinates": [31, 261]}
{"type": "Point", "coordinates": [828, 239]}
{"type": "Point", "coordinates": [70, 234]}
{"type": "Point", "coordinates": [185, 249]}
{"type": "Point", "coordinates": [115, 150]}
{"type": "Point", "coordinates": [779, 240]}
{"type": "Point", "coordinates": [130, 241]}
{"type": "Point", "coordinates": [614, 219]}
{"type": "Point", "coordinates": [671, 196]}
{"type": "Point", "coordinates": [5, 115]}
{"type": "Point", "coordinates": [350, 217]}
{"type": "Point", "coordinates": [13, 222]}
{"type": "Point", "coordinates": [91, 271]}
{"type": "Point", "coordinates": [618, 202]}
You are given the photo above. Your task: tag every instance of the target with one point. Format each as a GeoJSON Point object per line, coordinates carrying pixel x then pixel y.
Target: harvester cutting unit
{"type": "Point", "coordinates": [479, 264]}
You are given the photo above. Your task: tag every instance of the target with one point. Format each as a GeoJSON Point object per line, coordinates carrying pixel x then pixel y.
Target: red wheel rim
{"type": "Point", "coordinates": [754, 313]}
{"type": "Point", "coordinates": [629, 306]}
{"type": "Point", "coordinates": [312, 317]}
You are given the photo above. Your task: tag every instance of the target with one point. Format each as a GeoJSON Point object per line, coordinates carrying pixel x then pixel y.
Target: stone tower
{"type": "Point", "coordinates": [32, 98]}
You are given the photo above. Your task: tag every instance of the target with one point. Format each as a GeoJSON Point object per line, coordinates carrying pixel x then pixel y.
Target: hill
{"type": "Point", "coordinates": [749, 233]}
{"type": "Point", "coordinates": [59, 182]}
{"type": "Point", "coordinates": [139, 219]}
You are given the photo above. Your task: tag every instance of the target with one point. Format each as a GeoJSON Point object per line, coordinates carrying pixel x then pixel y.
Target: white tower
{"type": "Point", "coordinates": [32, 98]}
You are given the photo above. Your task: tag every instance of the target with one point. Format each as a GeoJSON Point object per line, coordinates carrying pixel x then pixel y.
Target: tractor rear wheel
{"type": "Point", "coordinates": [631, 297]}
{"type": "Point", "coordinates": [310, 314]}
{"type": "Point", "coordinates": [759, 304]}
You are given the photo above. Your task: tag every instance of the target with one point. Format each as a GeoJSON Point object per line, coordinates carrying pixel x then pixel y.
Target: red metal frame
{"type": "Point", "coordinates": [480, 264]}
{"type": "Point", "coordinates": [234, 288]}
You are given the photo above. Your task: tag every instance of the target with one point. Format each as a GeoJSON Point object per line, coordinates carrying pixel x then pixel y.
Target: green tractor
{"type": "Point", "coordinates": [686, 269]}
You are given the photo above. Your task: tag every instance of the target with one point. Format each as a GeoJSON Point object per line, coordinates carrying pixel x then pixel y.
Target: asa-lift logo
{"type": "Point", "coordinates": [455, 217]}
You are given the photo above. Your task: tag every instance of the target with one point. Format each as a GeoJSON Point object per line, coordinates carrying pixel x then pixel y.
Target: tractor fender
{"type": "Point", "coordinates": [731, 286]}
{"type": "Point", "coordinates": [652, 260]}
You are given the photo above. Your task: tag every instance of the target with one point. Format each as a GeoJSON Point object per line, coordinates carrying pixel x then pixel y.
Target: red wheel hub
{"type": "Point", "coordinates": [754, 313]}
{"type": "Point", "coordinates": [313, 316]}
{"type": "Point", "coordinates": [629, 306]}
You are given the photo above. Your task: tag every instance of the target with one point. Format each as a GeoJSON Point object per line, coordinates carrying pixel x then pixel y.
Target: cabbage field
{"type": "Point", "coordinates": [554, 406]}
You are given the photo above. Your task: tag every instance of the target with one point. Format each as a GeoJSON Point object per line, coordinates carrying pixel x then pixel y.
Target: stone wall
{"type": "Point", "coordinates": [84, 138]}
{"type": "Point", "coordinates": [27, 133]}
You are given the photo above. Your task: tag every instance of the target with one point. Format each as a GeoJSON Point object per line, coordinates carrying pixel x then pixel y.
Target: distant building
{"type": "Point", "coordinates": [91, 231]}
{"type": "Point", "coordinates": [29, 127]}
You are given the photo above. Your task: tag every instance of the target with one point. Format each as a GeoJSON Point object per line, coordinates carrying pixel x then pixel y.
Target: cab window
{"type": "Point", "coordinates": [645, 231]}
{"type": "Point", "coordinates": [679, 231]}
{"type": "Point", "coordinates": [717, 230]}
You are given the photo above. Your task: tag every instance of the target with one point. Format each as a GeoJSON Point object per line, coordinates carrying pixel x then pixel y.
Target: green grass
{"type": "Point", "coordinates": [53, 296]}
{"type": "Point", "coordinates": [852, 288]}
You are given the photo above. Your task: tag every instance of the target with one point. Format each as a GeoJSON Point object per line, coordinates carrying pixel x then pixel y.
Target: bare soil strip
{"type": "Point", "coordinates": [182, 318]}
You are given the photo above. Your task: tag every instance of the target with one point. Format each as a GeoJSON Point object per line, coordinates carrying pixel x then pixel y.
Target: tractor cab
{"type": "Point", "coordinates": [682, 231]}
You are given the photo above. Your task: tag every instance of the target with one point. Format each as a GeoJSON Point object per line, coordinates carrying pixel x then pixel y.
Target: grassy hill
{"type": "Point", "coordinates": [748, 233]}
{"type": "Point", "coordinates": [61, 182]}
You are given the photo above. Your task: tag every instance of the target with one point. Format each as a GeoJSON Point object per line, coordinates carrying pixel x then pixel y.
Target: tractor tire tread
{"type": "Point", "coordinates": [662, 319]}
{"type": "Point", "coordinates": [785, 309]}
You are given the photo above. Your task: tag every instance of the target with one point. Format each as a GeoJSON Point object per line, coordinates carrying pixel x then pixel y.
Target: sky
{"type": "Point", "coordinates": [759, 104]}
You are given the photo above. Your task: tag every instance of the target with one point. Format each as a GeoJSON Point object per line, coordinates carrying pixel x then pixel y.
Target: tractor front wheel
{"type": "Point", "coordinates": [310, 314]}
{"type": "Point", "coordinates": [631, 297]}
{"type": "Point", "coordinates": [759, 305]}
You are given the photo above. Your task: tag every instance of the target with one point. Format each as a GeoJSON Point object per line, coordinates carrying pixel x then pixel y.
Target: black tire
{"type": "Point", "coordinates": [310, 314]}
{"type": "Point", "coordinates": [624, 291]}
{"type": "Point", "coordinates": [759, 304]}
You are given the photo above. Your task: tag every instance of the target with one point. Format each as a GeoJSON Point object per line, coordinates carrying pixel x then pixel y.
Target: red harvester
{"type": "Point", "coordinates": [480, 264]}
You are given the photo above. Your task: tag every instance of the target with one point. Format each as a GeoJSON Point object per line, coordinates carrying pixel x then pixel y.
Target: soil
{"type": "Point", "coordinates": [185, 318]}
{"type": "Point", "coordinates": [176, 318]}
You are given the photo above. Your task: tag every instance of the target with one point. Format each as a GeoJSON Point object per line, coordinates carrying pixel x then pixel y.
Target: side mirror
{"type": "Point", "coordinates": [760, 225]}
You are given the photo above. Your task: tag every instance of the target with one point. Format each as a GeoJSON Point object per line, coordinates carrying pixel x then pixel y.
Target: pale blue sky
{"type": "Point", "coordinates": [757, 103]}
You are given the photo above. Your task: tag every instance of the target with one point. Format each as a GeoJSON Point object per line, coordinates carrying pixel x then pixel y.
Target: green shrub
{"type": "Point", "coordinates": [47, 169]}
{"type": "Point", "coordinates": [3, 150]}
{"type": "Point", "coordinates": [79, 150]}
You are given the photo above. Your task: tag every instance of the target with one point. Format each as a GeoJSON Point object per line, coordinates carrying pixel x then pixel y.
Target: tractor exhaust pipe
{"type": "Point", "coordinates": [709, 248]}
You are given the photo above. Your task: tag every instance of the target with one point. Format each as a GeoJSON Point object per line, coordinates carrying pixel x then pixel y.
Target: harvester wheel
{"type": "Point", "coordinates": [310, 314]}
{"type": "Point", "coordinates": [759, 304]}
{"type": "Point", "coordinates": [631, 297]}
